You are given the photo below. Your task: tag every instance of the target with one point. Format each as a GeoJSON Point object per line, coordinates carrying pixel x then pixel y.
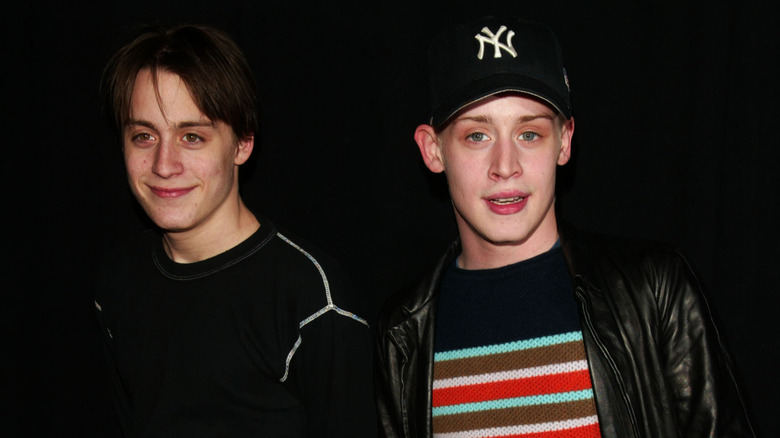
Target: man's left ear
{"type": "Point", "coordinates": [244, 149]}
{"type": "Point", "coordinates": [567, 131]}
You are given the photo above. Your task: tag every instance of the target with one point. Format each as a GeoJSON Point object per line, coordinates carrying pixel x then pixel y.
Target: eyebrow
{"type": "Point", "coordinates": [532, 117]}
{"type": "Point", "coordinates": [488, 119]}
{"type": "Point", "coordinates": [180, 125]}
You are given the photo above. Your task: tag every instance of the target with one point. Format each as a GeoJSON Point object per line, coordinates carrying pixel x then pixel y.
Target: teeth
{"type": "Point", "coordinates": [504, 201]}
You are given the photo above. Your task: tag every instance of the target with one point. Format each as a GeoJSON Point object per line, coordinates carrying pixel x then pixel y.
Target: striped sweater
{"type": "Point", "coordinates": [509, 359]}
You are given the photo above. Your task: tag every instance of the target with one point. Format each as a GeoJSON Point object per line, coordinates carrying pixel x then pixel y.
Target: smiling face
{"type": "Point", "coordinates": [181, 166]}
{"type": "Point", "coordinates": [500, 157]}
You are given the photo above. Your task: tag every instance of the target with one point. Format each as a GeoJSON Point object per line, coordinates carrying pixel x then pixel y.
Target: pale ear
{"type": "Point", "coordinates": [430, 147]}
{"type": "Point", "coordinates": [567, 131]}
{"type": "Point", "coordinates": [244, 149]}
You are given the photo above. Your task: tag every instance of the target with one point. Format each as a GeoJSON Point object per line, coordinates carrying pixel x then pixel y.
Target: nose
{"type": "Point", "coordinates": [167, 160]}
{"type": "Point", "coordinates": [505, 160]}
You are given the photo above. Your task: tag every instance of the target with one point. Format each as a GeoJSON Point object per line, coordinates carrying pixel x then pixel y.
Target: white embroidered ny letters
{"type": "Point", "coordinates": [492, 38]}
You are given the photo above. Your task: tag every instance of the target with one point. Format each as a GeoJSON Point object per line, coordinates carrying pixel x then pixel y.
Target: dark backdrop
{"type": "Point", "coordinates": [675, 141]}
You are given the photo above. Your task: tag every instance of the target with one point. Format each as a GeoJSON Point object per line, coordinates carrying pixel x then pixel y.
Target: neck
{"type": "Point", "coordinates": [481, 253]}
{"type": "Point", "coordinates": [199, 244]}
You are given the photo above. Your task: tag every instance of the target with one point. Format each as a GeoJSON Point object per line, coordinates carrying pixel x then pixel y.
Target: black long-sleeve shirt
{"type": "Point", "coordinates": [262, 340]}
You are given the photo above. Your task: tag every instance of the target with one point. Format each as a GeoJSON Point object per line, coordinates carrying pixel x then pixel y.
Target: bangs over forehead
{"type": "Point", "coordinates": [209, 64]}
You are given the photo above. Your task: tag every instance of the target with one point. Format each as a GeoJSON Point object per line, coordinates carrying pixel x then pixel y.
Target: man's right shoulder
{"type": "Point", "coordinates": [126, 256]}
{"type": "Point", "coordinates": [132, 244]}
{"type": "Point", "coordinates": [414, 300]}
{"type": "Point", "coordinates": [410, 302]}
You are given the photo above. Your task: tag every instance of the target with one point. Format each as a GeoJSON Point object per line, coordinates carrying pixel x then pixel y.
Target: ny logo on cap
{"type": "Point", "coordinates": [492, 38]}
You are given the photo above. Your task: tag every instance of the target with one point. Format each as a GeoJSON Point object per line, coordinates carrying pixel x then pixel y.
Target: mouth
{"type": "Point", "coordinates": [507, 201]}
{"type": "Point", "coordinates": [170, 192]}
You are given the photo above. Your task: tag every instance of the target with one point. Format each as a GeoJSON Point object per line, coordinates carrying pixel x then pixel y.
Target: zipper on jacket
{"type": "Point", "coordinates": [588, 322]}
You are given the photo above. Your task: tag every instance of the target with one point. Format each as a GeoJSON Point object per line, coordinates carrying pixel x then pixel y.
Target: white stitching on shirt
{"type": "Point", "coordinates": [330, 306]}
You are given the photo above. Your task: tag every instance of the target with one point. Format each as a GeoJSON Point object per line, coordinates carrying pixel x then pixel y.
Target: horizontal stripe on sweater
{"type": "Point", "coordinates": [545, 370]}
{"type": "Point", "coordinates": [527, 344]}
{"type": "Point", "coordinates": [510, 360]}
{"type": "Point", "coordinates": [577, 428]}
{"type": "Point", "coordinates": [521, 387]}
{"type": "Point", "coordinates": [514, 402]}
{"type": "Point", "coordinates": [520, 415]}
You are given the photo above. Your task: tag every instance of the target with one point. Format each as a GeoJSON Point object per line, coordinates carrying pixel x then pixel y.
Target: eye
{"type": "Point", "coordinates": [142, 139]}
{"type": "Point", "coordinates": [529, 136]}
{"type": "Point", "coordinates": [192, 138]}
{"type": "Point", "coordinates": [477, 137]}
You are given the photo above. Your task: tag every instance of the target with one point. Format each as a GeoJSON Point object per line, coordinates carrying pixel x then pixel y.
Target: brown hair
{"type": "Point", "coordinates": [207, 60]}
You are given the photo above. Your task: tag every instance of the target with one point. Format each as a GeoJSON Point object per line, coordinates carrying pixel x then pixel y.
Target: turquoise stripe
{"type": "Point", "coordinates": [533, 400]}
{"type": "Point", "coordinates": [527, 344]}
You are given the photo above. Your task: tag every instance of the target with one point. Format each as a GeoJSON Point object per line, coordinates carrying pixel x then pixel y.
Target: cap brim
{"type": "Point", "coordinates": [481, 89]}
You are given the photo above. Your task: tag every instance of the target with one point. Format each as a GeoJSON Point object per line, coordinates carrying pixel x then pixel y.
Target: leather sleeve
{"type": "Point", "coordinates": [708, 403]}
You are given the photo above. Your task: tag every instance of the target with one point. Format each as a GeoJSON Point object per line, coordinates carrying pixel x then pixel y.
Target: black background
{"type": "Point", "coordinates": [676, 122]}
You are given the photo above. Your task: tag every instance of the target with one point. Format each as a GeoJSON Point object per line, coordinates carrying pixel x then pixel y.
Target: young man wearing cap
{"type": "Point", "coordinates": [526, 328]}
{"type": "Point", "coordinates": [217, 323]}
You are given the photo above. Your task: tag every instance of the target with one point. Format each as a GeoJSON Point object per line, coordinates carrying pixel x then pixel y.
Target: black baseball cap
{"type": "Point", "coordinates": [490, 56]}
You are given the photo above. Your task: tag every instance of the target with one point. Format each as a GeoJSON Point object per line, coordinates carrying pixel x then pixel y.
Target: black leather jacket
{"type": "Point", "coordinates": [656, 361]}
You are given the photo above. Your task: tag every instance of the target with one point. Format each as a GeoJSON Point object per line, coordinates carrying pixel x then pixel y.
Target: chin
{"type": "Point", "coordinates": [171, 223]}
{"type": "Point", "coordinates": [504, 236]}
{"type": "Point", "coordinates": [508, 240]}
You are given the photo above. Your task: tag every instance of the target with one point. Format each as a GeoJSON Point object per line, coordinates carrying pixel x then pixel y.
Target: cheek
{"type": "Point", "coordinates": [544, 174]}
{"type": "Point", "coordinates": [227, 166]}
{"type": "Point", "coordinates": [466, 172]}
{"type": "Point", "coordinates": [464, 182]}
{"type": "Point", "coordinates": [135, 164]}
{"type": "Point", "coordinates": [214, 169]}
{"type": "Point", "coordinates": [465, 166]}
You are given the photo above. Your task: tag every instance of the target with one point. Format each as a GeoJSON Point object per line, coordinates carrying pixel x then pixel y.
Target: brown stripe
{"type": "Point", "coordinates": [514, 416]}
{"type": "Point", "coordinates": [534, 357]}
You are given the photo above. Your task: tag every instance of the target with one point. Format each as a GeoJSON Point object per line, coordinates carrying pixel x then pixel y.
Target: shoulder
{"type": "Point", "coordinates": [294, 248]}
{"type": "Point", "coordinates": [414, 302]}
{"type": "Point", "coordinates": [137, 245]}
{"type": "Point", "coordinates": [127, 258]}
{"type": "Point", "coordinates": [306, 273]}
{"type": "Point", "coordinates": [637, 270]}
{"type": "Point", "coordinates": [293, 255]}
{"type": "Point", "coordinates": [588, 252]}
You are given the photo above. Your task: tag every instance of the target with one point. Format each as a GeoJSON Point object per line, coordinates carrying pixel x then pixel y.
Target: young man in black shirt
{"type": "Point", "coordinates": [217, 323]}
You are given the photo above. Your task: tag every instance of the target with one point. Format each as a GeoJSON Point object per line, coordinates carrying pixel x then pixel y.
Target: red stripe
{"type": "Point", "coordinates": [589, 431]}
{"type": "Point", "coordinates": [539, 385]}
